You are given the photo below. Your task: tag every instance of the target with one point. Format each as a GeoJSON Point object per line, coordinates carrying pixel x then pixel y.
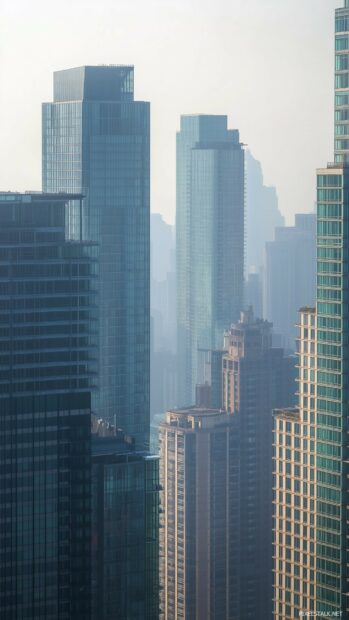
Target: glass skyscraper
{"type": "Point", "coordinates": [125, 531]}
{"type": "Point", "coordinates": [210, 241]}
{"type": "Point", "coordinates": [332, 387]}
{"type": "Point", "coordinates": [317, 551]}
{"type": "Point", "coordinates": [341, 146]}
{"type": "Point", "coordinates": [48, 334]}
{"type": "Point", "coordinates": [332, 544]}
{"type": "Point", "coordinates": [96, 141]}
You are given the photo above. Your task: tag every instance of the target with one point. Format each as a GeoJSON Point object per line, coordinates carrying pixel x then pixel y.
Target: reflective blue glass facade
{"type": "Point", "coordinates": [96, 141]}
{"type": "Point", "coordinates": [48, 332]}
{"type": "Point", "coordinates": [210, 240]}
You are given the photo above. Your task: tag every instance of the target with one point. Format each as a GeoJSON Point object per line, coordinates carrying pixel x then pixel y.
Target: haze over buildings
{"type": "Point", "coordinates": [289, 277]}
{"type": "Point", "coordinates": [163, 283]}
{"type": "Point", "coordinates": [262, 214]}
{"type": "Point", "coordinates": [163, 387]}
{"type": "Point", "coordinates": [81, 516]}
{"type": "Point", "coordinates": [181, 38]}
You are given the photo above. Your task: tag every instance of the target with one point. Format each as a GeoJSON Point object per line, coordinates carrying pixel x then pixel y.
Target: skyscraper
{"type": "Point", "coordinates": [294, 489]}
{"type": "Point", "coordinates": [332, 388]}
{"type": "Point", "coordinates": [254, 293]}
{"type": "Point", "coordinates": [125, 530]}
{"type": "Point", "coordinates": [48, 370]}
{"type": "Point", "coordinates": [327, 430]}
{"type": "Point", "coordinates": [210, 240]}
{"type": "Point", "coordinates": [96, 141]}
{"type": "Point", "coordinates": [163, 389]}
{"type": "Point", "coordinates": [199, 542]}
{"type": "Point", "coordinates": [341, 144]}
{"type": "Point", "coordinates": [289, 276]}
{"type": "Point", "coordinates": [256, 379]}
{"type": "Point", "coordinates": [262, 214]}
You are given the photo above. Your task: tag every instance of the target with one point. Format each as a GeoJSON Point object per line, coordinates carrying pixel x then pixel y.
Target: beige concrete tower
{"type": "Point", "coordinates": [295, 488]}
{"type": "Point", "coordinates": [257, 378]}
{"type": "Point", "coordinates": [198, 535]}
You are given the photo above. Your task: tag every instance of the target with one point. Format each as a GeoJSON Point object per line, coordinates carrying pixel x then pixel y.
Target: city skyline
{"type": "Point", "coordinates": [190, 28]}
{"type": "Point", "coordinates": [159, 459]}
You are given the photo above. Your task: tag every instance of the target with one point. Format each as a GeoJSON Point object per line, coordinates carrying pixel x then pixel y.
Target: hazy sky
{"type": "Point", "coordinates": [268, 64]}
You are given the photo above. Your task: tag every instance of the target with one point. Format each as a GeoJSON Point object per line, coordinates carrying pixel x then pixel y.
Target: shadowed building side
{"type": "Point", "coordinates": [48, 370]}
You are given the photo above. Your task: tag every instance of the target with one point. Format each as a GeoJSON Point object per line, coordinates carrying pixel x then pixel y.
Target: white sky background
{"type": "Point", "coordinates": [268, 64]}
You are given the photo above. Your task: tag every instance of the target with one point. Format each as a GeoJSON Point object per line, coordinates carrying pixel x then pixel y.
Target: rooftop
{"type": "Point", "coordinates": [112, 83]}
{"type": "Point", "coordinates": [34, 196]}
{"type": "Point", "coordinates": [307, 310]}
{"type": "Point", "coordinates": [193, 419]}
{"type": "Point", "coordinates": [291, 413]}
{"type": "Point", "coordinates": [195, 411]}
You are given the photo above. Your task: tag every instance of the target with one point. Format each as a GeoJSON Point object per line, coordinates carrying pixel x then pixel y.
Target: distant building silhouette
{"type": "Point", "coordinates": [163, 283]}
{"type": "Point", "coordinates": [163, 380]}
{"type": "Point", "coordinates": [163, 389]}
{"type": "Point", "coordinates": [163, 241]}
{"type": "Point", "coordinates": [254, 293]}
{"type": "Point", "coordinates": [262, 214]}
{"type": "Point", "coordinates": [290, 276]}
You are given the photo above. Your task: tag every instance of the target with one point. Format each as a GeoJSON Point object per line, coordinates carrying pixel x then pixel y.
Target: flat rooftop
{"type": "Point", "coordinates": [291, 413]}
{"type": "Point", "coordinates": [38, 196]}
{"type": "Point", "coordinates": [195, 411]}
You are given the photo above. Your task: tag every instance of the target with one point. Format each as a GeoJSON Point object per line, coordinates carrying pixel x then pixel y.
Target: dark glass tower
{"type": "Point", "coordinates": [47, 372]}
{"type": "Point", "coordinates": [96, 141]}
{"type": "Point", "coordinates": [125, 531]}
{"type": "Point", "coordinates": [210, 241]}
